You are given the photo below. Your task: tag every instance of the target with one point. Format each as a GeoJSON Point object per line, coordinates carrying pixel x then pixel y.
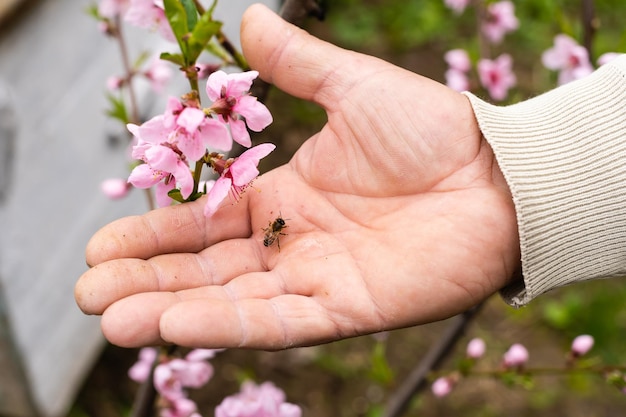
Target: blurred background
{"type": "Point", "coordinates": [56, 146]}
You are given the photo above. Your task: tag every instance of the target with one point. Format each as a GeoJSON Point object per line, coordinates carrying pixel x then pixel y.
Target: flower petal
{"type": "Point", "coordinates": [216, 195]}
{"type": "Point", "coordinates": [257, 116]}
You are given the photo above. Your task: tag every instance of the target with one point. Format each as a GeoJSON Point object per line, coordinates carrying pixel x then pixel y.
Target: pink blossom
{"type": "Point", "coordinates": [112, 8]}
{"type": "Point", "coordinates": [497, 76]}
{"type": "Point", "coordinates": [159, 73]}
{"type": "Point", "coordinates": [607, 57]}
{"type": "Point", "coordinates": [164, 164]}
{"type": "Point", "coordinates": [456, 76]}
{"type": "Point", "coordinates": [458, 59]}
{"type": "Point", "coordinates": [475, 348]}
{"type": "Point", "coordinates": [115, 188]}
{"type": "Point", "coordinates": [582, 344]}
{"type": "Point", "coordinates": [265, 400]}
{"type": "Point", "coordinates": [442, 386]}
{"type": "Point", "coordinates": [114, 83]}
{"type": "Point", "coordinates": [500, 20]}
{"type": "Point", "coordinates": [235, 176]}
{"type": "Point", "coordinates": [457, 6]}
{"type": "Point", "coordinates": [204, 70]}
{"type": "Point", "coordinates": [180, 407]}
{"type": "Point", "coordinates": [149, 14]}
{"type": "Point", "coordinates": [457, 80]}
{"type": "Point", "coordinates": [140, 371]}
{"type": "Point", "coordinates": [170, 378]}
{"type": "Point", "coordinates": [193, 131]}
{"type": "Point", "coordinates": [567, 57]}
{"type": "Point", "coordinates": [231, 100]}
{"type": "Point", "coordinates": [516, 356]}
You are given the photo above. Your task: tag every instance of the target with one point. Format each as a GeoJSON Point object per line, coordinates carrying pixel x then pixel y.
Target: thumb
{"type": "Point", "coordinates": [297, 62]}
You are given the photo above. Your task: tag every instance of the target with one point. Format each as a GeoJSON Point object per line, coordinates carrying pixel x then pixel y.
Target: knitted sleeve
{"type": "Point", "coordinates": [563, 155]}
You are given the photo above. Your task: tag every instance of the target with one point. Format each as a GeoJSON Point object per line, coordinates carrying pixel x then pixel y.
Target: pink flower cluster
{"type": "Point", "coordinates": [146, 14]}
{"type": "Point", "coordinates": [495, 75]}
{"type": "Point", "coordinates": [513, 360]}
{"type": "Point", "coordinates": [567, 57]}
{"type": "Point", "coordinates": [571, 60]}
{"type": "Point", "coordinates": [264, 400]}
{"type": "Point", "coordinates": [172, 376]}
{"type": "Point", "coordinates": [168, 143]}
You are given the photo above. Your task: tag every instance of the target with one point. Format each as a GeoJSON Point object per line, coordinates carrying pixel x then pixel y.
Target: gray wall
{"type": "Point", "coordinates": [53, 67]}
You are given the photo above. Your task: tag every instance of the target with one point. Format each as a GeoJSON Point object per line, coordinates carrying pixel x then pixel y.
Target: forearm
{"type": "Point", "coordinates": [563, 155]}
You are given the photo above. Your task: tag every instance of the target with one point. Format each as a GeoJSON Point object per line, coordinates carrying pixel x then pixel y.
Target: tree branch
{"type": "Point", "coordinates": [416, 381]}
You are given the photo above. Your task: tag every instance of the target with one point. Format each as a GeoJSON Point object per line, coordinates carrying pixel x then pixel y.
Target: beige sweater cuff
{"type": "Point", "coordinates": [563, 155]}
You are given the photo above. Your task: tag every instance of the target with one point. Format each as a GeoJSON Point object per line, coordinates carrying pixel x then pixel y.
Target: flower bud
{"type": "Point", "coordinates": [442, 386]}
{"type": "Point", "coordinates": [516, 356]}
{"type": "Point", "coordinates": [115, 188]}
{"type": "Point", "coordinates": [475, 348]}
{"type": "Point", "coordinates": [581, 345]}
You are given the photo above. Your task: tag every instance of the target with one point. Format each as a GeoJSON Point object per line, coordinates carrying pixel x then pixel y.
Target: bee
{"type": "Point", "coordinates": [273, 232]}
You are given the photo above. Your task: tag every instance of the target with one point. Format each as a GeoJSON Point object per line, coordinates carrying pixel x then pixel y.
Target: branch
{"type": "Point", "coordinates": [417, 379]}
{"type": "Point", "coordinates": [295, 11]}
{"type": "Point", "coordinates": [589, 25]}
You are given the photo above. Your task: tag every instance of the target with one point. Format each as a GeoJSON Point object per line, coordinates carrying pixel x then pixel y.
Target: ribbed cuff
{"type": "Point", "coordinates": [563, 155]}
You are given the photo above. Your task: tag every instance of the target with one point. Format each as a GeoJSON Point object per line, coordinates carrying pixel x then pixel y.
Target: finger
{"type": "Point", "coordinates": [111, 281]}
{"type": "Point", "coordinates": [290, 58]}
{"type": "Point", "coordinates": [134, 321]}
{"type": "Point", "coordinates": [179, 228]}
{"type": "Point", "coordinates": [281, 322]}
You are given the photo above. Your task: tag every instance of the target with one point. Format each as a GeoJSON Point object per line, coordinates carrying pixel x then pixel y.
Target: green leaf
{"type": "Point", "coordinates": [205, 29]}
{"type": "Point", "coordinates": [177, 18]}
{"type": "Point", "coordinates": [176, 195]}
{"type": "Point", "coordinates": [175, 58]}
{"type": "Point", "coordinates": [192, 13]}
{"type": "Point", "coordinates": [117, 109]}
{"type": "Point", "coordinates": [380, 370]}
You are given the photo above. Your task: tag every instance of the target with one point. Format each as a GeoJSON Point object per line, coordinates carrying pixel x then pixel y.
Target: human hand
{"type": "Point", "coordinates": [397, 215]}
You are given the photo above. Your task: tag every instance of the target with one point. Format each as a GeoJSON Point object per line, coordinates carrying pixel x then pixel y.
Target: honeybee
{"type": "Point", "coordinates": [273, 232]}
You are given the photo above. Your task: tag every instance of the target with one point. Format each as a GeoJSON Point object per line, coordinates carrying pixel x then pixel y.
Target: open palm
{"type": "Point", "coordinates": [396, 215]}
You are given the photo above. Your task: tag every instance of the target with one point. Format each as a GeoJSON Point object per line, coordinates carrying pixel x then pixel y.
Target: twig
{"type": "Point", "coordinates": [417, 379]}
{"type": "Point", "coordinates": [143, 405]}
{"type": "Point", "coordinates": [589, 25]}
{"type": "Point", "coordinates": [295, 11]}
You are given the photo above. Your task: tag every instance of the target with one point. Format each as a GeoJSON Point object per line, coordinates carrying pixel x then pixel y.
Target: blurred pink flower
{"type": "Point", "coordinates": [170, 378]}
{"type": "Point", "coordinates": [115, 188]}
{"type": "Point", "coordinates": [265, 400]}
{"type": "Point", "coordinates": [608, 57]}
{"type": "Point", "coordinates": [567, 57]}
{"type": "Point", "coordinates": [457, 80]}
{"type": "Point", "coordinates": [180, 407]}
{"type": "Point", "coordinates": [235, 175]}
{"type": "Point", "coordinates": [582, 344]}
{"type": "Point", "coordinates": [140, 371]}
{"type": "Point", "coordinates": [442, 386]}
{"type": "Point", "coordinates": [500, 20]}
{"type": "Point", "coordinates": [497, 76]}
{"type": "Point", "coordinates": [475, 348]}
{"type": "Point", "coordinates": [458, 59]}
{"type": "Point", "coordinates": [457, 6]}
{"type": "Point", "coordinates": [232, 102]}
{"type": "Point", "coordinates": [516, 356]}
{"type": "Point", "coordinates": [459, 64]}
{"type": "Point", "coordinates": [114, 83]}
{"type": "Point", "coordinates": [150, 14]}
{"type": "Point", "coordinates": [112, 8]}
{"type": "Point", "coordinates": [159, 73]}
{"type": "Point", "coordinates": [204, 70]}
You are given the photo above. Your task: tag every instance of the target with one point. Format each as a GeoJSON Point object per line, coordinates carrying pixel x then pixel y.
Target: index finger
{"type": "Point", "coordinates": [178, 228]}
